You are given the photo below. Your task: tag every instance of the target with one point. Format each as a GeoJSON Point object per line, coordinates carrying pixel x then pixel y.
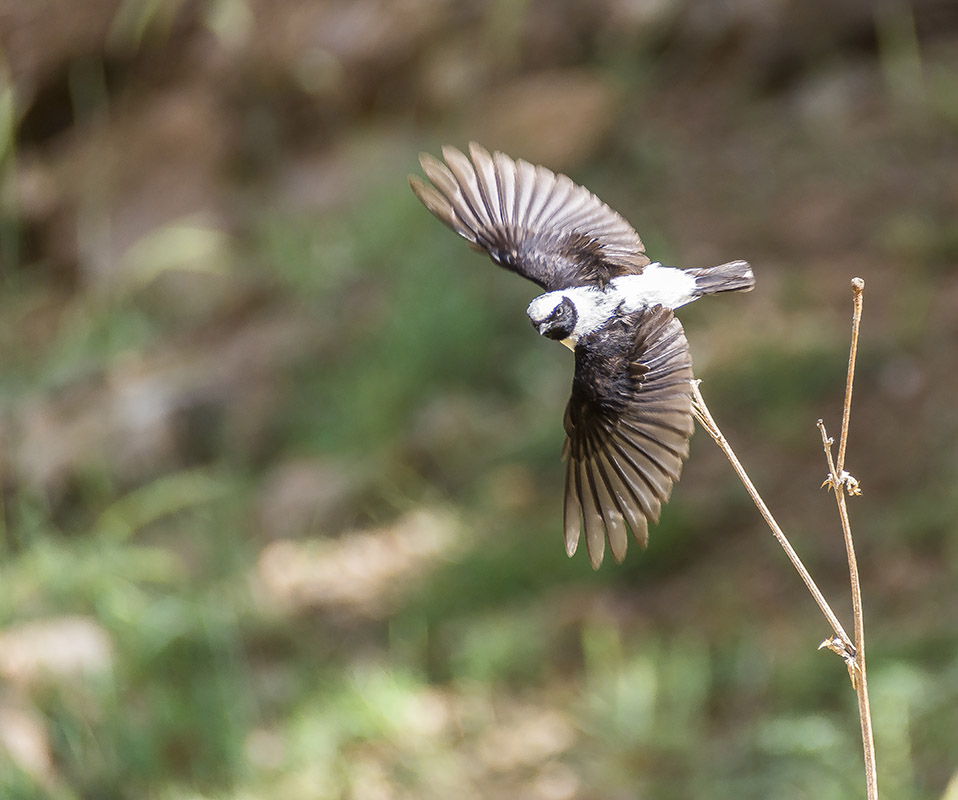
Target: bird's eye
{"type": "Point", "coordinates": [565, 311]}
{"type": "Point", "coordinates": [561, 321]}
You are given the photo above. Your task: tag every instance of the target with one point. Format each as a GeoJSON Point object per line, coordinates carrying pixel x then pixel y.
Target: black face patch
{"type": "Point", "coordinates": [561, 322]}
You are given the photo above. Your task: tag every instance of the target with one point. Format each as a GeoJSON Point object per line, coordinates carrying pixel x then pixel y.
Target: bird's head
{"type": "Point", "coordinates": [554, 315]}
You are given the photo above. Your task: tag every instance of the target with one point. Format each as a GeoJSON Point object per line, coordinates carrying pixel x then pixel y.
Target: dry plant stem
{"type": "Point", "coordinates": [704, 416]}
{"type": "Point", "coordinates": [841, 482]}
{"type": "Point", "coordinates": [859, 678]}
{"type": "Point", "coordinates": [858, 286]}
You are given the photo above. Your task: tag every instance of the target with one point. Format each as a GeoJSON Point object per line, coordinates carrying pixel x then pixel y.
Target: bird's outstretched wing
{"type": "Point", "coordinates": [530, 220]}
{"type": "Point", "coordinates": [628, 424]}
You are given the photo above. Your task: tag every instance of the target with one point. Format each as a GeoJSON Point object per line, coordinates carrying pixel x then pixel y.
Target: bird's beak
{"type": "Point", "coordinates": [545, 329]}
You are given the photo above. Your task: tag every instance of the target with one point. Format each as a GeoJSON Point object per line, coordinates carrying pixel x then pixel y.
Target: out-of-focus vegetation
{"type": "Point", "coordinates": [281, 494]}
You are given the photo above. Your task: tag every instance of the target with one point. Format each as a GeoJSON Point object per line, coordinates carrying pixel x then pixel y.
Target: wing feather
{"type": "Point", "coordinates": [628, 425]}
{"type": "Point", "coordinates": [643, 490]}
{"type": "Point", "coordinates": [506, 181]}
{"type": "Point", "coordinates": [555, 205]}
{"type": "Point", "coordinates": [455, 206]}
{"type": "Point", "coordinates": [528, 219]}
{"type": "Point", "coordinates": [488, 183]}
{"type": "Point", "coordinates": [571, 512]}
{"type": "Point", "coordinates": [609, 496]}
{"type": "Point", "coordinates": [469, 193]}
{"type": "Point", "coordinates": [543, 188]}
{"type": "Point", "coordinates": [628, 498]}
{"type": "Point", "coordinates": [525, 190]}
{"type": "Point", "coordinates": [593, 517]}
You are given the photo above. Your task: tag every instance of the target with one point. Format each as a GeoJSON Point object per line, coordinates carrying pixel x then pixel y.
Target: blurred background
{"type": "Point", "coordinates": [279, 456]}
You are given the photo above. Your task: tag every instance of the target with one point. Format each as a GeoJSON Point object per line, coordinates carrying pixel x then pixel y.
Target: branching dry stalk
{"type": "Point", "coordinates": [839, 479]}
{"type": "Point", "coordinates": [704, 416]}
{"type": "Point", "coordinates": [852, 653]}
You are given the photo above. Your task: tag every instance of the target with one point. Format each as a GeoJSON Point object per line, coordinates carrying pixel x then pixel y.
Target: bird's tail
{"type": "Point", "coordinates": [735, 276]}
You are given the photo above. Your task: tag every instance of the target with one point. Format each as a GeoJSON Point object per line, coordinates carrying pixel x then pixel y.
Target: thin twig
{"type": "Point", "coordinates": [842, 483]}
{"type": "Point", "coordinates": [857, 666]}
{"type": "Point", "coordinates": [858, 286]}
{"type": "Point", "coordinates": [704, 416]}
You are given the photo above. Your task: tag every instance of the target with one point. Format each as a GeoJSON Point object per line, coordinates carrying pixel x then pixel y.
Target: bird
{"type": "Point", "coordinates": [628, 419]}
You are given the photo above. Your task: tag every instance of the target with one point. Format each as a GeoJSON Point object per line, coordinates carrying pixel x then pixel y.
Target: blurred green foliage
{"type": "Point", "coordinates": [490, 665]}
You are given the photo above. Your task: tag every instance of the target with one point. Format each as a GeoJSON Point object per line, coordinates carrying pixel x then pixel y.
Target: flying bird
{"type": "Point", "coordinates": [629, 418]}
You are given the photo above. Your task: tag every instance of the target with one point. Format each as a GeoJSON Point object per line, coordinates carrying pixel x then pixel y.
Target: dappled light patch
{"type": "Point", "coordinates": [303, 496]}
{"type": "Point", "coordinates": [361, 572]}
{"type": "Point", "coordinates": [58, 648]}
{"type": "Point", "coordinates": [25, 741]}
{"type": "Point", "coordinates": [526, 736]}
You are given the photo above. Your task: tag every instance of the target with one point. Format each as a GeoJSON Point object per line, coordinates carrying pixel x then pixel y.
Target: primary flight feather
{"type": "Point", "coordinates": [629, 418]}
